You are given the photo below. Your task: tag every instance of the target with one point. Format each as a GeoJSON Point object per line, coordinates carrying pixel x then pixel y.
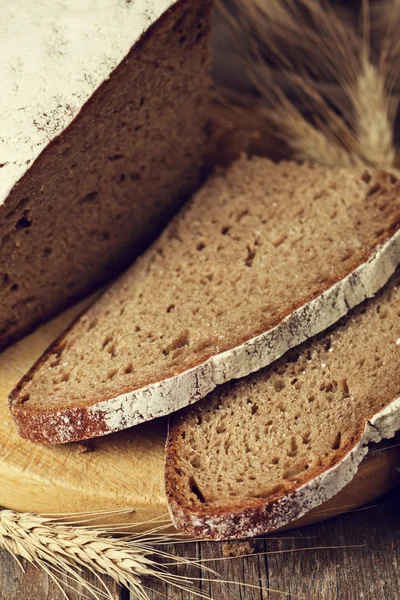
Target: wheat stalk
{"type": "Point", "coordinates": [63, 548]}
{"type": "Point", "coordinates": [325, 84]}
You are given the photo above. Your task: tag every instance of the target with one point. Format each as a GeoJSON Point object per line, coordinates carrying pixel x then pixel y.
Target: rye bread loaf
{"type": "Point", "coordinates": [263, 451]}
{"type": "Point", "coordinates": [103, 132]}
{"type": "Point", "coordinates": [263, 257]}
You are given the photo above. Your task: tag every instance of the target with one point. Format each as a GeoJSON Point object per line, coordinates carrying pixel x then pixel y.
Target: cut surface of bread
{"type": "Point", "coordinates": [262, 258]}
{"type": "Point", "coordinates": [103, 136]}
{"type": "Point", "coordinates": [263, 451]}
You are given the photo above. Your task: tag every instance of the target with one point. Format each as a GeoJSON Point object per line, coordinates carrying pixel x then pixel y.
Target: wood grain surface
{"type": "Point", "coordinates": [368, 571]}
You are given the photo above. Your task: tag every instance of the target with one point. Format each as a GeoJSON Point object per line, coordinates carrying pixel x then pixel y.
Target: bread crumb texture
{"type": "Point", "coordinates": [255, 440]}
{"type": "Point", "coordinates": [256, 242]}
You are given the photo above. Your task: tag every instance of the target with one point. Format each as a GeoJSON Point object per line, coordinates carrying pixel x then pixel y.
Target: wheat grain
{"type": "Point", "coordinates": [63, 548]}
{"type": "Point", "coordinates": [329, 90]}
{"type": "Point", "coordinates": [373, 124]}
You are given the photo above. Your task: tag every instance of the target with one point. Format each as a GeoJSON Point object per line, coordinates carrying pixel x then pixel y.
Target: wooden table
{"type": "Point", "coordinates": [370, 571]}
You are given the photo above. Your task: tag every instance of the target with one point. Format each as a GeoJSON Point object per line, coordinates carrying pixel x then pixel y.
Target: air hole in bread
{"type": "Point", "coordinates": [195, 462]}
{"type": "Point", "coordinates": [128, 369]}
{"type": "Point", "coordinates": [293, 473]}
{"type": "Point", "coordinates": [337, 441]}
{"type": "Point", "coordinates": [279, 240]}
{"type": "Point", "coordinates": [366, 176]}
{"type": "Point", "coordinates": [375, 188]}
{"type": "Point", "coordinates": [200, 246]}
{"type": "Point", "coordinates": [344, 388]}
{"type": "Point", "coordinates": [293, 448]}
{"type": "Point", "coordinates": [106, 341]}
{"type": "Point", "coordinates": [112, 373]}
{"type": "Point", "coordinates": [194, 488]}
{"type": "Point", "coordinates": [241, 215]}
{"type": "Point", "coordinates": [279, 385]}
{"type": "Point", "coordinates": [251, 254]}
{"type": "Point", "coordinates": [63, 378]}
{"type": "Point", "coordinates": [112, 350]}
{"type": "Point", "coordinates": [55, 363]}
{"type": "Point", "coordinates": [23, 222]}
{"type": "Point", "coordinates": [225, 230]}
{"type": "Point", "coordinates": [90, 197]}
{"type": "Point", "coordinates": [180, 342]}
{"type": "Point", "coordinates": [92, 324]}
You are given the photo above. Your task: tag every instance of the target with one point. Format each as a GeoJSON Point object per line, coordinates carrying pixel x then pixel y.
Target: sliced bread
{"type": "Point", "coordinates": [103, 111]}
{"type": "Point", "coordinates": [263, 257]}
{"type": "Point", "coordinates": [263, 451]}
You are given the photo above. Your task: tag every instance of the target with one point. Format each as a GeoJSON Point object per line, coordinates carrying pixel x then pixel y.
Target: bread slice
{"type": "Point", "coordinates": [263, 451]}
{"type": "Point", "coordinates": [264, 257]}
{"type": "Point", "coordinates": [103, 133]}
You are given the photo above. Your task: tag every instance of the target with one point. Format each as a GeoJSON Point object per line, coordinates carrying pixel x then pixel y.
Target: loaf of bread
{"type": "Point", "coordinates": [263, 257]}
{"type": "Point", "coordinates": [263, 451]}
{"type": "Point", "coordinates": [102, 138]}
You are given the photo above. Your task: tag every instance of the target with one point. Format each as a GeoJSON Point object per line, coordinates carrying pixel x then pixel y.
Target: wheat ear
{"type": "Point", "coordinates": [64, 548]}
{"type": "Point", "coordinates": [315, 80]}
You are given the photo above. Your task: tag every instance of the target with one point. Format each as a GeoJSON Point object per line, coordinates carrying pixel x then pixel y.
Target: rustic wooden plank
{"type": "Point", "coordinates": [35, 584]}
{"type": "Point", "coordinates": [160, 591]}
{"type": "Point", "coordinates": [369, 572]}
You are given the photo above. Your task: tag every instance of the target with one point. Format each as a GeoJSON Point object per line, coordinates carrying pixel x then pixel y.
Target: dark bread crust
{"type": "Point", "coordinates": [46, 266]}
{"type": "Point", "coordinates": [246, 519]}
{"type": "Point", "coordinates": [42, 426]}
{"type": "Point", "coordinates": [240, 519]}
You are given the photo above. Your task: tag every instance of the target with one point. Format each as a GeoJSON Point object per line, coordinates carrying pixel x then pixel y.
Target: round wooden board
{"type": "Point", "coordinates": [123, 470]}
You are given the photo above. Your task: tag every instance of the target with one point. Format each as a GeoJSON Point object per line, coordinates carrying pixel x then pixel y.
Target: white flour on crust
{"type": "Point", "coordinates": [172, 394]}
{"type": "Point", "coordinates": [252, 522]}
{"type": "Point", "coordinates": [53, 57]}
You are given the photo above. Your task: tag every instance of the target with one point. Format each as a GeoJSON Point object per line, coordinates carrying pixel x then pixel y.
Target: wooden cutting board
{"type": "Point", "coordinates": [123, 470]}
